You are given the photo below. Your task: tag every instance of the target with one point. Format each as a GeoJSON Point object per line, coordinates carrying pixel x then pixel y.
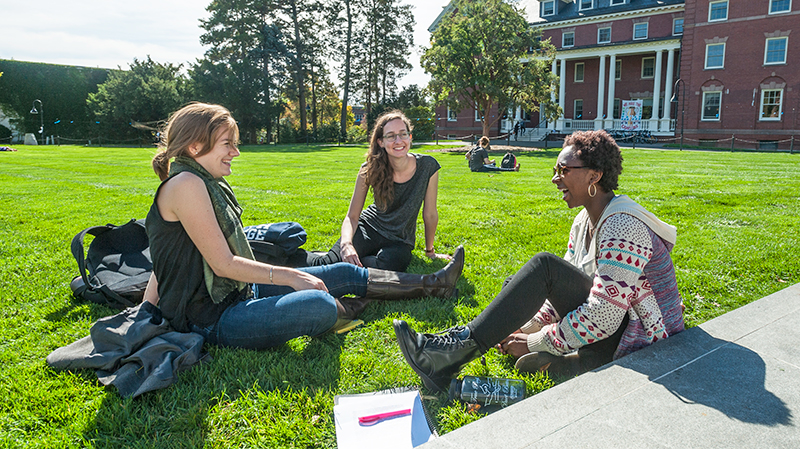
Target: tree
{"type": "Point", "coordinates": [485, 53]}
{"type": "Point", "coordinates": [342, 20]}
{"type": "Point", "coordinates": [146, 93]}
{"type": "Point", "coordinates": [245, 67]}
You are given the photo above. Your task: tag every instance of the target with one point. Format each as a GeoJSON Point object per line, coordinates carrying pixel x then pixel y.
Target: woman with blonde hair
{"type": "Point", "coordinates": [205, 278]}
{"type": "Point", "coordinates": [383, 235]}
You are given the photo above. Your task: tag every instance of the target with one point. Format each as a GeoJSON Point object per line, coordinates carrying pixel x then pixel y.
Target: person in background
{"type": "Point", "coordinates": [479, 161]}
{"type": "Point", "coordinates": [613, 292]}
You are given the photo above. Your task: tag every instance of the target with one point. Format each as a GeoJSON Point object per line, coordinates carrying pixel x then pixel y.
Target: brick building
{"type": "Point", "coordinates": [729, 61]}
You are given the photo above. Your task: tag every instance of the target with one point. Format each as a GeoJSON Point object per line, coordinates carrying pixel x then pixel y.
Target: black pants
{"type": "Point", "coordinates": [373, 249]}
{"type": "Point", "coordinates": [545, 276]}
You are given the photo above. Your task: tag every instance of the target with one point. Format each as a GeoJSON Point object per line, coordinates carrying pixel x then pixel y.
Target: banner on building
{"type": "Point", "coordinates": [631, 118]}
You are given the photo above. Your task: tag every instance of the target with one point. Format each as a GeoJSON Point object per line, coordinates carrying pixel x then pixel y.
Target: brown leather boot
{"type": "Point", "coordinates": [384, 284]}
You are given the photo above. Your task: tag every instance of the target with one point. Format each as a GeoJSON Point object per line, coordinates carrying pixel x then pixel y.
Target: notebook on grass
{"type": "Point", "coordinates": [404, 430]}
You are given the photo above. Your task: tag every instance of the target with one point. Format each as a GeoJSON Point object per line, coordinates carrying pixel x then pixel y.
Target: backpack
{"type": "Point", "coordinates": [509, 161]}
{"type": "Point", "coordinates": [118, 264]}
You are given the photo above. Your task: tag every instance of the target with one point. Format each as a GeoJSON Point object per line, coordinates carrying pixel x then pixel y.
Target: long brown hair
{"type": "Point", "coordinates": [378, 172]}
{"type": "Point", "coordinates": [195, 123]}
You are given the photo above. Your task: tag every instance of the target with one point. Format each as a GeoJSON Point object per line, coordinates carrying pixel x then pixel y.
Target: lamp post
{"type": "Point", "coordinates": [674, 99]}
{"type": "Point", "coordinates": [41, 117]}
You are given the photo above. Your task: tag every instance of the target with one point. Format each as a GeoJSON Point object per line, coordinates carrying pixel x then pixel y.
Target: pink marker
{"type": "Point", "coordinates": [373, 419]}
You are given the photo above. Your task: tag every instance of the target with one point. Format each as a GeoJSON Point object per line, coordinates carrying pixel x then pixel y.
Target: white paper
{"type": "Point", "coordinates": [400, 432]}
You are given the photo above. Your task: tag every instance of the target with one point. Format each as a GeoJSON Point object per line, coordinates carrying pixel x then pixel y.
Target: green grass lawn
{"type": "Point", "coordinates": [738, 219]}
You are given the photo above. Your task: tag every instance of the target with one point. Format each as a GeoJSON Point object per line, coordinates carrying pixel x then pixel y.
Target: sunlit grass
{"type": "Point", "coordinates": [738, 219]}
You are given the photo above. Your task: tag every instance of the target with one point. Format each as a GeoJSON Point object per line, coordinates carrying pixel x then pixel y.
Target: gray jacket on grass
{"type": "Point", "coordinates": [135, 350]}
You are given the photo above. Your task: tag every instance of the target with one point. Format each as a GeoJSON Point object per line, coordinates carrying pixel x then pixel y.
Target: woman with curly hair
{"type": "Point", "coordinates": [614, 291]}
{"type": "Point", "coordinates": [383, 234]}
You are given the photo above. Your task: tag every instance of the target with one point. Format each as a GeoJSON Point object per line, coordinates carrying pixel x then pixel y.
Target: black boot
{"type": "Point", "coordinates": [436, 358]}
{"type": "Point", "coordinates": [384, 284]}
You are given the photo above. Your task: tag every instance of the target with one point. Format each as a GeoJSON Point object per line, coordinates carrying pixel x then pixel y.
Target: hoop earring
{"type": "Point", "coordinates": [592, 193]}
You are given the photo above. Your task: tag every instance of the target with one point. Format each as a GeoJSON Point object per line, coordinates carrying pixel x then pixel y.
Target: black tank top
{"type": "Point", "coordinates": [178, 265]}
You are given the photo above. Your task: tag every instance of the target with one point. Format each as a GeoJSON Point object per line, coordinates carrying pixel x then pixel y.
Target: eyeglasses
{"type": "Point", "coordinates": [562, 170]}
{"type": "Point", "coordinates": [392, 137]}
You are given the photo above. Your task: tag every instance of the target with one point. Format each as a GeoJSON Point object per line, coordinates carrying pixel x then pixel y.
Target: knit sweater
{"type": "Point", "coordinates": [633, 273]}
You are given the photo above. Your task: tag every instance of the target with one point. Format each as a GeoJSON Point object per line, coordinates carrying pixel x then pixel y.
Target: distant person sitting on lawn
{"type": "Point", "coordinates": [205, 278]}
{"type": "Point", "coordinates": [383, 235]}
{"type": "Point", "coordinates": [613, 293]}
{"type": "Point", "coordinates": [479, 158]}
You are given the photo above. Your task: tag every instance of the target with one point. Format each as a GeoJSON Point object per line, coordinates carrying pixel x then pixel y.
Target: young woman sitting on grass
{"type": "Point", "coordinates": [205, 278]}
{"type": "Point", "coordinates": [383, 234]}
{"type": "Point", "coordinates": [613, 293]}
{"type": "Point", "coordinates": [479, 160]}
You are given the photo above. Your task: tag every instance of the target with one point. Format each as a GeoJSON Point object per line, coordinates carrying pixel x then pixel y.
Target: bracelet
{"type": "Point", "coordinates": [432, 250]}
{"type": "Point", "coordinates": [270, 275]}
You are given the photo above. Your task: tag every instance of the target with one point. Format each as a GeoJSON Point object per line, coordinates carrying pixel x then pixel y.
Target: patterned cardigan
{"type": "Point", "coordinates": [633, 274]}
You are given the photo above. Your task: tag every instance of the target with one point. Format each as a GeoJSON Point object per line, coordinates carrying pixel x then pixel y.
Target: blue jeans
{"type": "Point", "coordinates": [278, 313]}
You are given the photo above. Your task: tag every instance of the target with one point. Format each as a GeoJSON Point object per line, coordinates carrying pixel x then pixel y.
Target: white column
{"type": "Point", "coordinates": [561, 92]}
{"type": "Point", "coordinates": [665, 119]}
{"type": "Point", "coordinates": [656, 92]}
{"type": "Point", "coordinates": [552, 123]}
{"type": "Point", "coordinates": [612, 65]}
{"type": "Point", "coordinates": [601, 90]}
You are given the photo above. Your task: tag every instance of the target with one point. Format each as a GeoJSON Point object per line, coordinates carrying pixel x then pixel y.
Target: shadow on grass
{"type": "Point", "coordinates": [208, 401]}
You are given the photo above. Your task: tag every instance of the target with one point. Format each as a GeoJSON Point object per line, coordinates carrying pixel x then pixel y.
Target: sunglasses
{"type": "Point", "coordinates": [562, 170]}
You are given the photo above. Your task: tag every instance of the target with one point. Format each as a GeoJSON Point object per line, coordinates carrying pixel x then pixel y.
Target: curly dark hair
{"type": "Point", "coordinates": [598, 151]}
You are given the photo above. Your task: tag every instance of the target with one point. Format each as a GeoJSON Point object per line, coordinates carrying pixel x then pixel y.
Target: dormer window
{"type": "Point", "coordinates": [586, 4]}
{"type": "Point", "coordinates": [548, 8]}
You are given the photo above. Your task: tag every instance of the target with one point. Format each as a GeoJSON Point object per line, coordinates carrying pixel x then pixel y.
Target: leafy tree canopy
{"type": "Point", "coordinates": [484, 53]}
{"type": "Point", "coordinates": [146, 93]}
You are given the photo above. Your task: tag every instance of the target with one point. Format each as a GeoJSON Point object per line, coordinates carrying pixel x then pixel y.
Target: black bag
{"type": "Point", "coordinates": [509, 161]}
{"type": "Point", "coordinates": [118, 263]}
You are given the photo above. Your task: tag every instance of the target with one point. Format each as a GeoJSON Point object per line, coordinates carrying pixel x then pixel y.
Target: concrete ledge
{"type": "Point", "coordinates": [733, 381]}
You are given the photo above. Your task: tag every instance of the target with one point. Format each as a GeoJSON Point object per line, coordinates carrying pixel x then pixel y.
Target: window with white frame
{"type": "Point", "coordinates": [568, 39]}
{"type": "Point", "coordinates": [451, 115]}
{"type": "Point", "coordinates": [604, 35]}
{"type": "Point", "coordinates": [775, 52]}
{"type": "Point", "coordinates": [677, 26]}
{"type": "Point", "coordinates": [617, 108]}
{"type": "Point", "coordinates": [715, 56]}
{"type": "Point", "coordinates": [648, 67]}
{"type": "Point", "coordinates": [579, 68]}
{"type": "Point", "coordinates": [477, 115]}
{"type": "Point", "coordinates": [779, 6]}
{"type": "Point", "coordinates": [647, 108]}
{"type": "Point", "coordinates": [618, 69]}
{"type": "Point", "coordinates": [711, 105]}
{"type": "Point", "coordinates": [771, 104]}
{"type": "Point", "coordinates": [718, 11]}
{"type": "Point", "coordinates": [640, 30]}
{"type": "Point", "coordinates": [548, 8]}
{"type": "Point", "coordinates": [578, 111]}
{"type": "Point", "coordinates": [586, 4]}
{"type": "Point", "coordinates": [617, 2]}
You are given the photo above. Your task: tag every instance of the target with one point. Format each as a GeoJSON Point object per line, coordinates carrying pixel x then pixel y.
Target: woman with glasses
{"type": "Point", "coordinates": [383, 234]}
{"type": "Point", "coordinates": [614, 291]}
